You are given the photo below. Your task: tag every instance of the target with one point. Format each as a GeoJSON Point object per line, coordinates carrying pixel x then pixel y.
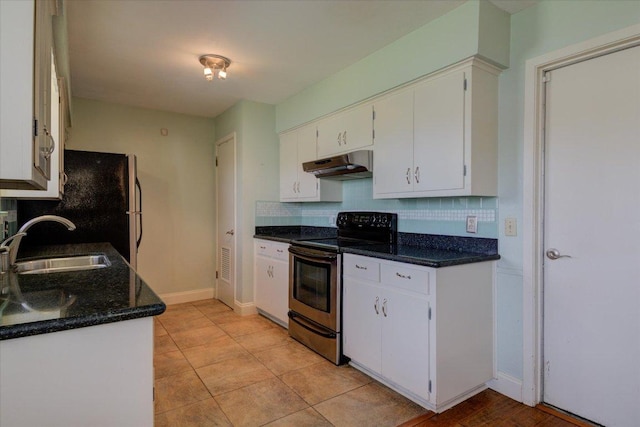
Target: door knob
{"type": "Point", "coordinates": [555, 254]}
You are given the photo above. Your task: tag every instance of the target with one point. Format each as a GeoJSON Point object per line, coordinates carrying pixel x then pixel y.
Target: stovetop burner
{"type": "Point", "coordinates": [358, 229]}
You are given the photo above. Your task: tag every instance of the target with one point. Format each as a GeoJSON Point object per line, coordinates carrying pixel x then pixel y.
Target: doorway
{"type": "Point", "coordinates": [581, 296]}
{"type": "Point", "coordinates": [226, 224]}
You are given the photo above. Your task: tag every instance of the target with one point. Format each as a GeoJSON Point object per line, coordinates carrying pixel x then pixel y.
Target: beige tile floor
{"type": "Point", "coordinates": [216, 368]}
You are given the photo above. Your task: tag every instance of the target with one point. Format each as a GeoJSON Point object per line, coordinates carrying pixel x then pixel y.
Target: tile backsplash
{"type": "Point", "coordinates": [440, 215]}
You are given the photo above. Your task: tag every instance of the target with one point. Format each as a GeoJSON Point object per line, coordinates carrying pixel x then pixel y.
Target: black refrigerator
{"type": "Point", "coordinates": [102, 197]}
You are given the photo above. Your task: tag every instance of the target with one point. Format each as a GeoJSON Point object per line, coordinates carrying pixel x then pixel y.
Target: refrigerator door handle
{"type": "Point", "coordinates": [139, 211]}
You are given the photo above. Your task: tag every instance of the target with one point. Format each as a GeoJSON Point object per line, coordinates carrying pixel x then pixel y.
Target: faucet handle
{"type": "Point", "coordinates": [4, 259]}
{"type": "Point", "coordinates": [11, 245]}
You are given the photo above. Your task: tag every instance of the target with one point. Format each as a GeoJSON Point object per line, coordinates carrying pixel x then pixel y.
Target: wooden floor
{"type": "Point", "coordinates": [490, 408]}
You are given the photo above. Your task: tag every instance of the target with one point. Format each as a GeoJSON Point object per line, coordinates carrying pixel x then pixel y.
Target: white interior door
{"type": "Point", "coordinates": [226, 229]}
{"type": "Point", "coordinates": [592, 221]}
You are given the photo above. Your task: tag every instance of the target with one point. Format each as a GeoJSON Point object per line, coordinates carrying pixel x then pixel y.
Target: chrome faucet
{"type": "Point", "coordinates": [9, 247]}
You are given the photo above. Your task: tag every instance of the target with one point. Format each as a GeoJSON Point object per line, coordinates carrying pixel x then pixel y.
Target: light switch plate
{"type": "Point", "coordinates": [472, 224]}
{"type": "Point", "coordinates": [510, 227]}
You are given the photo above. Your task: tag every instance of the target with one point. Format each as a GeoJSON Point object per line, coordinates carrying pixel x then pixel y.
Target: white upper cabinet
{"type": "Point", "coordinates": [296, 185]}
{"type": "Point", "coordinates": [26, 143]}
{"type": "Point", "coordinates": [393, 154]}
{"type": "Point", "coordinates": [55, 186]}
{"type": "Point", "coordinates": [439, 137]}
{"type": "Point", "coordinates": [345, 131]}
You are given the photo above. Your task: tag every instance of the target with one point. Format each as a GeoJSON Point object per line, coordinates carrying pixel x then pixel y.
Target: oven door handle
{"type": "Point", "coordinates": [309, 254]}
{"type": "Point", "coordinates": [310, 326]}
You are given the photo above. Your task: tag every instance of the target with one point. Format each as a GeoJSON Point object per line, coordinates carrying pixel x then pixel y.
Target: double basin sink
{"type": "Point", "coordinates": [63, 264]}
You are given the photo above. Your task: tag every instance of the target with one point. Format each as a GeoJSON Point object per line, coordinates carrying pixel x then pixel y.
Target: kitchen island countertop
{"type": "Point", "coordinates": [44, 303]}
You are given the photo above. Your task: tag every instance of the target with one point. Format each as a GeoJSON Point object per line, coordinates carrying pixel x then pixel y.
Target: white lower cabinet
{"type": "Point", "coordinates": [425, 332]}
{"type": "Point", "coordinates": [271, 279]}
{"type": "Point", "coordinates": [96, 376]}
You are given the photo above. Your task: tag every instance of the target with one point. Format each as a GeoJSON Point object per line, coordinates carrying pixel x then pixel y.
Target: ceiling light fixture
{"type": "Point", "coordinates": [213, 63]}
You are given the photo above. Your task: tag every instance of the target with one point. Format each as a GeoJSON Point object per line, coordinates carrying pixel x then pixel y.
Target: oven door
{"type": "Point", "coordinates": [313, 285]}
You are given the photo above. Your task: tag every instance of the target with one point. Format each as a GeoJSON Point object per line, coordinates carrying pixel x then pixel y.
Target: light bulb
{"type": "Point", "coordinates": [222, 74]}
{"type": "Point", "coordinates": [208, 74]}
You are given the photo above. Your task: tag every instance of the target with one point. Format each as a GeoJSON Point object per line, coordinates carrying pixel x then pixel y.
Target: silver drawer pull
{"type": "Point", "coordinates": [375, 306]}
{"type": "Point", "coordinates": [402, 276]}
{"type": "Point", "coordinates": [279, 250]}
{"type": "Point", "coordinates": [384, 307]}
{"type": "Point", "coordinates": [359, 267]}
{"type": "Point", "coordinates": [263, 247]}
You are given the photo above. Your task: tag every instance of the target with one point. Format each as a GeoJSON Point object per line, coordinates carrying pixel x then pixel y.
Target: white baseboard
{"type": "Point", "coordinates": [245, 309]}
{"type": "Point", "coordinates": [507, 385]}
{"type": "Point", "coordinates": [187, 296]}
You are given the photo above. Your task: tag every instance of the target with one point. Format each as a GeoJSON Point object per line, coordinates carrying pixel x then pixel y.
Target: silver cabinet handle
{"type": "Point", "coordinates": [231, 232]}
{"type": "Point", "coordinates": [65, 178]}
{"type": "Point", "coordinates": [344, 137]}
{"type": "Point", "coordinates": [279, 251]}
{"type": "Point", "coordinates": [375, 306]}
{"type": "Point", "coordinates": [263, 247]}
{"type": "Point", "coordinates": [402, 276]}
{"type": "Point", "coordinates": [359, 267]}
{"type": "Point", "coordinates": [555, 254]}
{"type": "Point", "coordinates": [339, 138]}
{"type": "Point", "coordinates": [52, 144]}
{"type": "Point", "coordinates": [408, 175]}
{"type": "Point", "coordinates": [384, 307]}
{"type": "Point", "coordinates": [417, 175]}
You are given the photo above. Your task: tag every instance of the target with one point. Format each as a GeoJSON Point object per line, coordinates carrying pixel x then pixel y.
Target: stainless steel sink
{"type": "Point", "coordinates": [65, 264]}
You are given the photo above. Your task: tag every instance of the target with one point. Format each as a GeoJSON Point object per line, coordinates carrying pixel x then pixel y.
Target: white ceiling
{"type": "Point", "coordinates": [145, 53]}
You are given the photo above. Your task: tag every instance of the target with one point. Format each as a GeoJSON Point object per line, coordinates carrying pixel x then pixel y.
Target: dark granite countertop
{"type": "Point", "coordinates": [419, 255]}
{"type": "Point", "coordinates": [421, 249]}
{"type": "Point", "coordinates": [44, 303]}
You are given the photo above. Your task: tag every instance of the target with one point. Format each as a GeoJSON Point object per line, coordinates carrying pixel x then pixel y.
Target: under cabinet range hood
{"type": "Point", "coordinates": [354, 165]}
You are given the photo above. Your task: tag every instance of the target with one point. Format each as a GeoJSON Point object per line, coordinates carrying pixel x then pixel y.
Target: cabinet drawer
{"type": "Point", "coordinates": [280, 251]}
{"type": "Point", "coordinates": [401, 276]}
{"type": "Point", "coordinates": [262, 248]}
{"type": "Point", "coordinates": [362, 268]}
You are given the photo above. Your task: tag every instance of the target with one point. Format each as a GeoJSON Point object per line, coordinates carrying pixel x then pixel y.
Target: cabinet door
{"type": "Point", "coordinates": [43, 58]}
{"type": "Point", "coordinates": [280, 290]}
{"type": "Point", "coordinates": [393, 159]}
{"type": "Point", "coordinates": [439, 133]}
{"type": "Point", "coordinates": [18, 154]}
{"type": "Point", "coordinates": [361, 327]}
{"type": "Point", "coordinates": [405, 340]}
{"type": "Point", "coordinates": [346, 131]}
{"type": "Point", "coordinates": [263, 283]}
{"type": "Point", "coordinates": [288, 166]}
{"type": "Point", "coordinates": [308, 183]}
{"type": "Point", "coordinates": [330, 136]}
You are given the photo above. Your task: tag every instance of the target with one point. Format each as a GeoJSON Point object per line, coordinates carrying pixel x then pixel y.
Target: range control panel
{"type": "Point", "coordinates": [375, 226]}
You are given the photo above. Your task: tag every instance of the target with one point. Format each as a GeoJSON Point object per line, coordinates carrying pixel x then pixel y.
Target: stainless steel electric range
{"type": "Point", "coordinates": [315, 279]}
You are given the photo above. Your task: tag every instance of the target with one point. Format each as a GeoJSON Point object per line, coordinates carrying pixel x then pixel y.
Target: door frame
{"type": "Point", "coordinates": [232, 138]}
{"type": "Point", "coordinates": [533, 192]}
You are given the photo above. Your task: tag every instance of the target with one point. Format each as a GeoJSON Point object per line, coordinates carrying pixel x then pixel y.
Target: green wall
{"type": "Point", "coordinates": [475, 28]}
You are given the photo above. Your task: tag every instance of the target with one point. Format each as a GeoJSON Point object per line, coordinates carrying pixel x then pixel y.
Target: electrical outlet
{"type": "Point", "coordinates": [472, 224]}
{"type": "Point", "coordinates": [510, 227]}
